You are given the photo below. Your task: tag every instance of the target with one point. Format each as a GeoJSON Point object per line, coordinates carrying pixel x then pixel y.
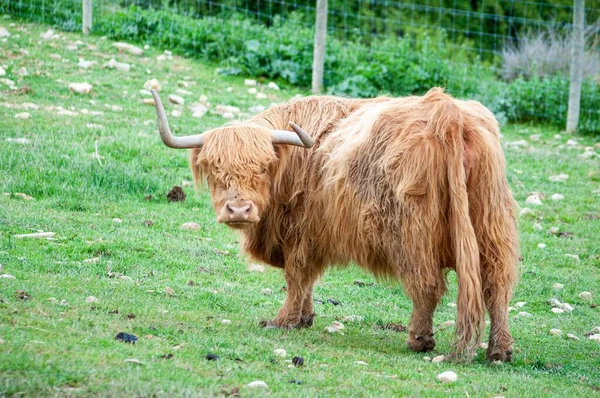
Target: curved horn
{"type": "Point", "coordinates": [299, 138]}
{"type": "Point", "coordinates": [191, 141]}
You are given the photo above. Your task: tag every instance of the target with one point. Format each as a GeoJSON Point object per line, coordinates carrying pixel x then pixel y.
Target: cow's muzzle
{"type": "Point", "coordinates": [238, 213]}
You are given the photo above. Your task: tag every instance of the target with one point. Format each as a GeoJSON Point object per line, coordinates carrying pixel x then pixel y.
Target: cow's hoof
{"type": "Point", "coordinates": [307, 321]}
{"type": "Point", "coordinates": [421, 343]}
{"type": "Point", "coordinates": [494, 354]}
{"type": "Point", "coordinates": [274, 324]}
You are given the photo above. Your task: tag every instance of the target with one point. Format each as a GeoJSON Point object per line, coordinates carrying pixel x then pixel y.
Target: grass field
{"type": "Point", "coordinates": [173, 287]}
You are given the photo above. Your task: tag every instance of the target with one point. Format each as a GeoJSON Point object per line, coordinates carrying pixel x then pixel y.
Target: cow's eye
{"type": "Point", "coordinates": [263, 172]}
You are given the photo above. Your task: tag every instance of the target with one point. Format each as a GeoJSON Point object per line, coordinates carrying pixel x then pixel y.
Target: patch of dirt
{"type": "Point", "coordinates": [176, 194]}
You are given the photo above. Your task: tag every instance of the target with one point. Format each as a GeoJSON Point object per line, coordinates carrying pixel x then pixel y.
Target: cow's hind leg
{"type": "Point", "coordinates": [498, 279]}
{"type": "Point", "coordinates": [425, 300]}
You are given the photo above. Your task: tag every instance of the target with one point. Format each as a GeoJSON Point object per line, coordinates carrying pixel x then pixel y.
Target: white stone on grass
{"type": "Point", "coordinates": [23, 116]}
{"type": "Point", "coordinates": [190, 226]}
{"type": "Point", "coordinates": [557, 310]}
{"type": "Point", "coordinates": [130, 48]}
{"type": "Point", "coordinates": [566, 307]}
{"type": "Point", "coordinates": [447, 377]}
{"type": "Point", "coordinates": [7, 276]}
{"type": "Point", "coordinates": [252, 90]}
{"type": "Point", "coordinates": [80, 88]}
{"type": "Point", "coordinates": [573, 256]}
{"type": "Point", "coordinates": [559, 177]}
{"type": "Point", "coordinates": [257, 384]}
{"type": "Point", "coordinates": [49, 34]}
{"type": "Point", "coordinates": [585, 295]}
{"type": "Point", "coordinates": [557, 197]}
{"type": "Point", "coordinates": [517, 144]}
{"type": "Point", "coordinates": [152, 84]}
{"type": "Point", "coordinates": [534, 199]}
{"type": "Point", "coordinates": [361, 363]}
{"type": "Point", "coordinates": [250, 82]}
{"type": "Point", "coordinates": [176, 99]}
{"type": "Point", "coordinates": [537, 226]}
{"type": "Point", "coordinates": [541, 245]}
{"type": "Point", "coordinates": [280, 352]}
{"type": "Point", "coordinates": [4, 32]}
{"type": "Point", "coordinates": [353, 318]}
{"type": "Point", "coordinates": [524, 314]}
{"type": "Point", "coordinates": [572, 337]}
{"type": "Point", "coordinates": [260, 96]}
{"type": "Point", "coordinates": [176, 113]}
{"type": "Point", "coordinates": [2, 71]}
{"type": "Point", "coordinates": [134, 360]}
{"type": "Point", "coordinates": [181, 91]}
{"type": "Point", "coordinates": [225, 322]}
{"type": "Point", "coordinates": [438, 359]}
{"type": "Point", "coordinates": [117, 220]}
{"type": "Point", "coordinates": [558, 286]}
{"type": "Point", "coordinates": [267, 291]}
{"type": "Point", "coordinates": [524, 211]}
{"type": "Point", "coordinates": [555, 332]}
{"type": "Point", "coordinates": [256, 267]}
{"type": "Point", "coordinates": [273, 86]}
{"type": "Point", "coordinates": [595, 337]}
{"type": "Point", "coordinates": [335, 327]}
{"type": "Point", "coordinates": [91, 299]}
{"type": "Point", "coordinates": [83, 64]}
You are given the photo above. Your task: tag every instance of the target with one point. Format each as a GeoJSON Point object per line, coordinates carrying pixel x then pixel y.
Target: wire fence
{"type": "Point", "coordinates": [512, 55]}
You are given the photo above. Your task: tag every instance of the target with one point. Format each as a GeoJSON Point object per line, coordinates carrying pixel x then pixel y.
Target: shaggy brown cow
{"type": "Point", "coordinates": [405, 187]}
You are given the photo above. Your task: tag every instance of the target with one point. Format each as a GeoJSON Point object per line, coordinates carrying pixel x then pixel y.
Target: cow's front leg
{"type": "Point", "coordinates": [297, 309]}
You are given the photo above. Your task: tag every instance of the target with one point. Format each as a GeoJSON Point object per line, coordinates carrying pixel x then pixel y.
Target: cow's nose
{"type": "Point", "coordinates": [239, 211]}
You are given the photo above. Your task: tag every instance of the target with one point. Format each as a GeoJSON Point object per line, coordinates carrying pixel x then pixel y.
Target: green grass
{"type": "Point", "coordinates": [49, 349]}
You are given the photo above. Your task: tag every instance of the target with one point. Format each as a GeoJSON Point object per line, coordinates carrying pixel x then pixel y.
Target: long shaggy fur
{"type": "Point", "coordinates": [405, 187]}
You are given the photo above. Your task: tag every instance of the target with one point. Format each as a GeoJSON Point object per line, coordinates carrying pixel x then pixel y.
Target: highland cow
{"type": "Point", "coordinates": [406, 188]}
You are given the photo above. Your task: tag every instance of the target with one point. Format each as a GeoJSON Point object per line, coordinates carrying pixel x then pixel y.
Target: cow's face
{"type": "Point", "coordinates": [239, 163]}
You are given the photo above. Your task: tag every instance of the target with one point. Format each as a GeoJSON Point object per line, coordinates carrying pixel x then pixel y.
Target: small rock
{"type": "Point", "coordinates": [117, 220]}
{"type": "Point", "coordinates": [2, 71]}
{"type": "Point", "coordinates": [595, 337]}
{"type": "Point", "coordinates": [557, 310]}
{"type": "Point", "coordinates": [361, 363]}
{"type": "Point", "coordinates": [250, 82]}
{"type": "Point", "coordinates": [572, 337]}
{"type": "Point", "coordinates": [280, 352]}
{"type": "Point", "coordinates": [428, 359]}
{"type": "Point", "coordinates": [7, 276]}
{"type": "Point", "coordinates": [566, 307]}
{"type": "Point", "coordinates": [169, 291]}
{"type": "Point", "coordinates": [534, 199]}
{"type": "Point", "coordinates": [555, 332]}
{"type": "Point", "coordinates": [91, 299]}
{"type": "Point", "coordinates": [260, 96]}
{"type": "Point", "coordinates": [335, 327]}
{"type": "Point", "coordinates": [520, 304]}
{"type": "Point", "coordinates": [228, 115]}
{"type": "Point", "coordinates": [557, 197]}
{"type": "Point", "coordinates": [252, 90]}
{"type": "Point", "coordinates": [152, 84]}
{"type": "Point", "coordinates": [176, 99]}
{"type": "Point", "coordinates": [183, 92]}
{"type": "Point", "coordinates": [524, 314]}
{"type": "Point", "coordinates": [267, 292]}
{"type": "Point", "coordinates": [80, 88]}
{"type": "Point", "coordinates": [130, 48]}
{"type": "Point", "coordinates": [256, 267]}
{"type": "Point", "coordinates": [133, 360]}
{"type": "Point", "coordinates": [126, 338]}
{"type": "Point", "coordinates": [585, 295]}
{"type": "Point", "coordinates": [229, 89]}
{"type": "Point", "coordinates": [257, 384]}
{"type": "Point", "coordinates": [447, 324]}
{"type": "Point", "coordinates": [559, 178]}
{"type": "Point", "coordinates": [553, 230]}
{"type": "Point", "coordinates": [47, 35]}
{"type": "Point", "coordinates": [92, 260]}
{"type": "Point", "coordinates": [541, 245]}
{"type": "Point", "coordinates": [537, 226]}
{"type": "Point", "coordinates": [517, 144]}
{"type": "Point", "coordinates": [447, 377]}
{"type": "Point", "coordinates": [524, 211]}
{"type": "Point", "coordinates": [558, 286]}
{"type": "Point", "coordinates": [298, 361]}
{"type": "Point", "coordinates": [23, 116]}
{"type": "Point", "coordinates": [176, 113]}
{"type": "Point", "coordinates": [572, 144]}
{"type": "Point", "coordinates": [226, 322]}
{"type": "Point", "coordinates": [353, 318]}
{"type": "Point", "coordinates": [573, 256]}
{"type": "Point", "coordinates": [554, 302]}
{"type": "Point", "coordinates": [438, 359]}
{"type": "Point", "coordinates": [273, 86]}
{"type": "Point", "coordinates": [203, 99]}
{"type": "Point", "coordinates": [4, 32]}
{"type": "Point", "coordinates": [83, 64]}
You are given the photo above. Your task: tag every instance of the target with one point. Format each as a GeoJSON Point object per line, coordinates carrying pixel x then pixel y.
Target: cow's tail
{"type": "Point", "coordinates": [447, 123]}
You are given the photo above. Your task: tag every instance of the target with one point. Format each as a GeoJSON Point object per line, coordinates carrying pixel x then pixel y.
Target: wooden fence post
{"type": "Point", "coordinates": [576, 65]}
{"type": "Point", "coordinates": [319, 51]}
{"type": "Point", "coordinates": [87, 17]}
